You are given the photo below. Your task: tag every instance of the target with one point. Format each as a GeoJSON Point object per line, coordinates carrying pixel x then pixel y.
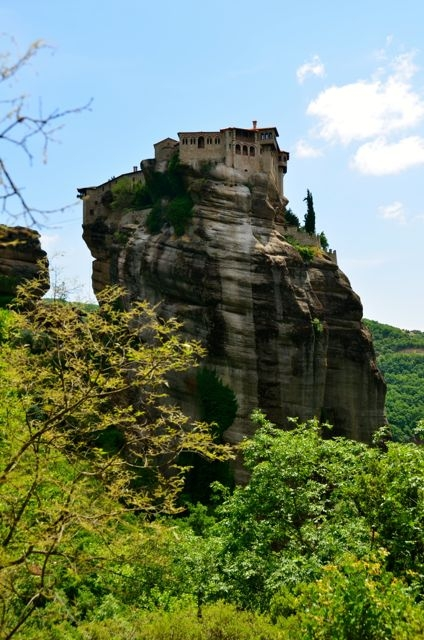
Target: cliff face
{"type": "Point", "coordinates": [20, 253]}
{"type": "Point", "coordinates": [285, 333]}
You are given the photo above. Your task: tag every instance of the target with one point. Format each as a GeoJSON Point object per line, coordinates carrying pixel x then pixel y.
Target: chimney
{"type": "Point", "coordinates": [254, 123]}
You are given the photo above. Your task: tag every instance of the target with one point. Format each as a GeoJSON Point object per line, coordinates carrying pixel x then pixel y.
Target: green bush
{"type": "Point", "coordinates": [317, 325]}
{"type": "Point", "coordinates": [123, 195]}
{"type": "Point", "coordinates": [307, 252]}
{"type": "Point", "coordinates": [126, 196]}
{"type": "Point", "coordinates": [291, 219]}
{"type": "Point", "coordinates": [217, 401]}
{"type": "Point", "coordinates": [323, 240]}
{"type": "Point", "coordinates": [309, 501]}
{"type": "Point", "coordinates": [355, 600]}
{"type": "Point", "coordinates": [218, 621]}
{"type": "Point", "coordinates": [155, 218]}
{"type": "Point", "coordinates": [400, 357]}
{"type": "Point", "coordinates": [218, 407]}
{"type": "Point", "coordinates": [179, 212]}
{"type": "Point", "coordinates": [165, 192]}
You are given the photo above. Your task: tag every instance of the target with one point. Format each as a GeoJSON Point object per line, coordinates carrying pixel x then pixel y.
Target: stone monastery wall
{"type": "Point", "coordinates": [247, 150]}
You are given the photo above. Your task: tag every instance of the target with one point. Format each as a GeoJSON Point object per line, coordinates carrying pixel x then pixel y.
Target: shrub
{"type": "Point", "coordinates": [217, 400]}
{"type": "Point", "coordinates": [178, 213]}
{"type": "Point", "coordinates": [123, 195]}
{"type": "Point", "coordinates": [307, 253]}
{"type": "Point", "coordinates": [218, 407]}
{"type": "Point", "coordinates": [323, 240]}
{"type": "Point", "coordinates": [291, 219]}
{"type": "Point", "coordinates": [155, 218]}
{"type": "Point", "coordinates": [219, 621]}
{"type": "Point", "coordinates": [355, 600]}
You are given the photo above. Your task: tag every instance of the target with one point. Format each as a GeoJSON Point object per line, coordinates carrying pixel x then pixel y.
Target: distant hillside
{"type": "Point", "coordinates": [400, 356]}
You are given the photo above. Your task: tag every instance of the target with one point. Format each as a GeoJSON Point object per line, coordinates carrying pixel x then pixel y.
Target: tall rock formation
{"type": "Point", "coordinates": [20, 258]}
{"type": "Point", "coordinates": [282, 325]}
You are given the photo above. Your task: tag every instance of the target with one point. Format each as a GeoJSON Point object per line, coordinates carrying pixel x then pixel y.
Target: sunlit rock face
{"type": "Point", "coordinates": [284, 332]}
{"type": "Point", "coordinates": [21, 257]}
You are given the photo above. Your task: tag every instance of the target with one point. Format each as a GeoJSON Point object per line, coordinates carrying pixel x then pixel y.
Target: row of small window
{"type": "Point", "coordinates": [267, 135]}
{"type": "Point", "coordinates": [245, 150]}
{"type": "Point", "coordinates": [200, 141]}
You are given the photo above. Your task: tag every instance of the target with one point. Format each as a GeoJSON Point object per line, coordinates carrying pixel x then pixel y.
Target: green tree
{"type": "Point", "coordinates": [323, 240]}
{"type": "Point", "coordinates": [309, 501]}
{"type": "Point", "coordinates": [353, 600]}
{"type": "Point", "coordinates": [400, 356]}
{"type": "Point", "coordinates": [88, 433]}
{"type": "Point", "coordinates": [291, 218]}
{"type": "Point", "coordinates": [309, 220]}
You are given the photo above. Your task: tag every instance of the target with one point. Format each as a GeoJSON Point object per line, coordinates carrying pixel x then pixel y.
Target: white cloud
{"type": "Point", "coordinates": [403, 66]}
{"type": "Point", "coordinates": [394, 211]}
{"type": "Point", "coordinates": [369, 108]}
{"type": "Point", "coordinates": [305, 150]}
{"type": "Point", "coordinates": [312, 68]}
{"type": "Point", "coordinates": [380, 157]}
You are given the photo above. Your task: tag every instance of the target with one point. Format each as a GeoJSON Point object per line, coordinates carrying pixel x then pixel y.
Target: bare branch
{"type": "Point", "coordinates": [20, 128]}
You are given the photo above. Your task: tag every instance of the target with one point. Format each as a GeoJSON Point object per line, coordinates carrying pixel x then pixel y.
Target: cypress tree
{"type": "Point", "coordinates": [309, 225]}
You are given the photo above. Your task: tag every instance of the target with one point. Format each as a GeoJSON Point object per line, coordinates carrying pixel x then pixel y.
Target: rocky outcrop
{"type": "Point", "coordinates": [20, 258]}
{"type": "Point", "coordinates": [282, 328]}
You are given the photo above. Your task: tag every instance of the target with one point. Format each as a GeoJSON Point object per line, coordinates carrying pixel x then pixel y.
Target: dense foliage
{"type": "Point", "coordinates": [400, 356]}
{"type": "Point", "coordinates": [87, 435]}
{"type": "Point", "coordinates": [325, 541]}
{"type": "Point", "coordinates": [218, 407]}
{"type": "Point", "coordinates": [291, 218]}
{"type": "Point", "coordinates": [163, 193]}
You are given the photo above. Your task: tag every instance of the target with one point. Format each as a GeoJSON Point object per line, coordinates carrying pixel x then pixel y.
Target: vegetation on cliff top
{"type": "Point", "coordinates": [306, 251]}
{"type": "Point", "coordinates": [164, 193]}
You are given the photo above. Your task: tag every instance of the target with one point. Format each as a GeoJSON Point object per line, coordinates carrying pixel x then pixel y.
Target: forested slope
{"type": "Point", "coordinates": [400, 356]}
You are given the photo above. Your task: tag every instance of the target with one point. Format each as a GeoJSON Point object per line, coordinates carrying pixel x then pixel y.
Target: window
{"type": "Point", "coordinates": [238, 149]}
{"type": "Point", "coordinates": [252, 151]}
{"type": "Point", "coordinates": [245, 153]}
{"type": "Point", "coordinates": [200, 142]}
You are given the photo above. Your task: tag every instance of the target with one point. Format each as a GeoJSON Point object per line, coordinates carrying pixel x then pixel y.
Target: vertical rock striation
{"type": "Point", "coordinates": [282, 330]}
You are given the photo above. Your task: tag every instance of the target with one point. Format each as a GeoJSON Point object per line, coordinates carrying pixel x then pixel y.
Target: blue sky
{"type": "Point", "coordinates": [342, 82]}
